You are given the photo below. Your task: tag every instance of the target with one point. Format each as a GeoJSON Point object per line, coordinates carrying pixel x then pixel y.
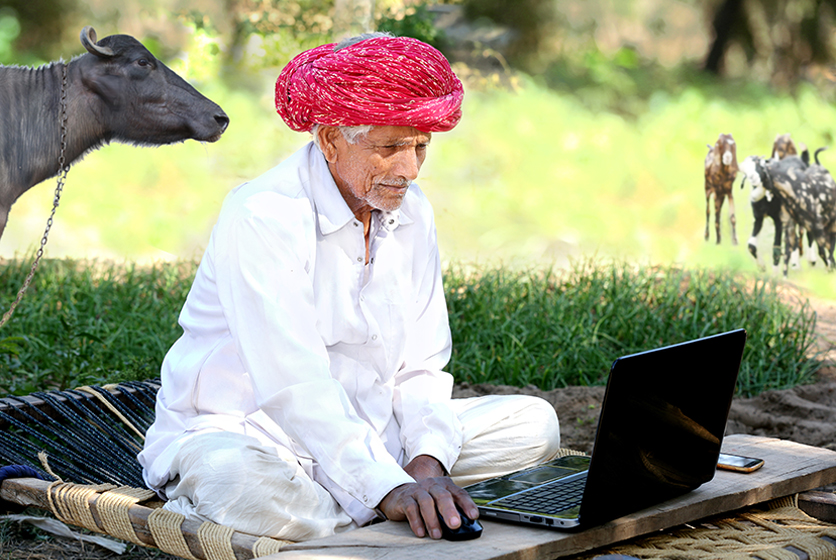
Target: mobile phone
{"type": "Point", "coordinates": [738, 463]}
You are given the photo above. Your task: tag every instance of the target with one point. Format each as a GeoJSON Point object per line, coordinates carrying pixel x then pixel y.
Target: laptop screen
{"type": "Point", "coordinates": [662, 424]}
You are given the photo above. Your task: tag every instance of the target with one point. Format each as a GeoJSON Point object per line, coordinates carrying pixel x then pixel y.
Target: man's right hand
{"type": "Point", "coordinates": [420, 503]}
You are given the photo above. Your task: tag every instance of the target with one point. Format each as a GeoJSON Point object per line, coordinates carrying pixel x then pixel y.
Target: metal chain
{"type": "Point", "coordinates": [63, 168]}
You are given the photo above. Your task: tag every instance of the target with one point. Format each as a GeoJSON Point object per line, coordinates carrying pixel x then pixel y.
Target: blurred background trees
{"type": "Point", "coordinates": [776, 41]}
{"type": "Point", "coordinates": [780, 38]}
{"type": "Point", "coordinates": [586, 131]}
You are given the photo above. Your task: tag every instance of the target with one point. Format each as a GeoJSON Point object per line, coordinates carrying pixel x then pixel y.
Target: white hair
{"type": "Point", "coordinates": [362, 37]}
{"type": "Point", "coordinates": [351, 133]}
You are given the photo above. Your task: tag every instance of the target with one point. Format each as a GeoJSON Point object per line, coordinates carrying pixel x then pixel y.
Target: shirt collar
{"type": "Point", "coordinates": [330, 206]}
{"type": "Point", "coordinates": [390, 220]}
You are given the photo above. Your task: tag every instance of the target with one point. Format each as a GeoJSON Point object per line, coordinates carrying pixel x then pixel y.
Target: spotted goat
{"type": "Point", "coordinates": [764, 205]}
{"type": "Point", "coordinates": [808, 194]}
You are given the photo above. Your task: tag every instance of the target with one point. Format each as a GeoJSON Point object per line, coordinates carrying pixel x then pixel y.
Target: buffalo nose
{"type": "Point", "coordinates": [222, 120]}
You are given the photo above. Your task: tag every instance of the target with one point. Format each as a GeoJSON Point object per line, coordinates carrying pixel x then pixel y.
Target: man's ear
{"type": "Point", "coordinates": [327, 136]}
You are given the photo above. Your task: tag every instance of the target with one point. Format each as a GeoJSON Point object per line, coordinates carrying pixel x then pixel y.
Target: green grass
{"type": "Point", "coordinates": [536, 174]}
{"type": "Point", "coordinates": [96, 322]}
{"type": "Point", "coordinates": [553, 328]}
{"type": "Point", "coordinates": [86, 322]}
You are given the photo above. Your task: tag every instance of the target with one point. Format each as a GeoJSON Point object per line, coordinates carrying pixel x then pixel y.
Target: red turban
{"type": "Point", "coordinates": [397, 81]}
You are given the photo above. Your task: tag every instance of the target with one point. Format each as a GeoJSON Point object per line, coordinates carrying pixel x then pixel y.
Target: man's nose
{"type": "Point", "coordinates": [408, 165]}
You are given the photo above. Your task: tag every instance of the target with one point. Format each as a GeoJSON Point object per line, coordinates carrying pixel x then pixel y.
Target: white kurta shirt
{"type": "Point", "coordinates": [290, 337]}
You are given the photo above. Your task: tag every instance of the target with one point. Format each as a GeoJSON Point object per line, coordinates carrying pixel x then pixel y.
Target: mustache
{"type": "Point", "coordinates": [400, 183]}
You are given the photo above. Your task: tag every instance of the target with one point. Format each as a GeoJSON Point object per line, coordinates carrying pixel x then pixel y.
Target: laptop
{"type": "Point", "coordinates": [659, 434]}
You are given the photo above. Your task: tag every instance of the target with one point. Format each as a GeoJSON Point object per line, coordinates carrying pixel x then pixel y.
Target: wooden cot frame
{"type": "Point", "coordinates": [136, 515]}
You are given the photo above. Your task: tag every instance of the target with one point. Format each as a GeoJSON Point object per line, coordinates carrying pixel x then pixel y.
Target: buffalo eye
{"type": "Point", "coordinates": [143, 62]}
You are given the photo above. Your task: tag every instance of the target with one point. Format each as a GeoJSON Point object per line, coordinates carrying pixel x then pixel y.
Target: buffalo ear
{"type": "Point", "coordinates": [107, 87]}
{"type": "Point", "coordinates": [88, 39]}
{"type": "Point", "coordinates": [98, 81]}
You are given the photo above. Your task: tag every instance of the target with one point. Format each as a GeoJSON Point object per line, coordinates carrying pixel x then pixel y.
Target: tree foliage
{"type": "Point", "coordinates": [531, 20]}
{"type": "Point", "coordinates": [769, 40]}
{"type": "Point", "coordinates": [40, 25]}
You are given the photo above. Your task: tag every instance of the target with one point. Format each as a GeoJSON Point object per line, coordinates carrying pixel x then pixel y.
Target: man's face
{"type": "Point", "coordinates": [375, 171]}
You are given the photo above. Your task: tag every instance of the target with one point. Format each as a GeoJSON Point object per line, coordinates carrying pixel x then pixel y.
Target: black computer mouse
{"type": "Point", "coordinates": [469, 529]}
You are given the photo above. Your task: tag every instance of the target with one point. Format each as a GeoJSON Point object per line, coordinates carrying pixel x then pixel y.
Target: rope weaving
{"type": "Point", "coordinates": [91, 435]}
{"type": "Point", "coordinates": [215, 541]}
{"type": "Point", "coordinates": [265, 546]}
{"type": "Point", "coordinates": [113, 511]}
{"type": "Point", "coordinates": [764, 532]}
{"type": "Point", "coordinates": [98, 394]}
{"type": "Point", "coordinates": [74, 504]}
{"type": "Point", "coordinates": [70, 503]}
{"type": "Point", "coordinates": [44, 459]}
{"type": "Point", "coordinates": [165, 527]}
{"type": "Point", "coordinates": [85, 441]}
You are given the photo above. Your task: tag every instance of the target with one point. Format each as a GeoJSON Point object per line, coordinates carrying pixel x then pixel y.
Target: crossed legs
{"type": "Point", "coordinates": [233, 480]}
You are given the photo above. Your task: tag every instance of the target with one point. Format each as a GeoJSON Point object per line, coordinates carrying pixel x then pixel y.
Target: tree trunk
{"type": "Point", "coordinates": [353, 17]}
{"type": "Point", "coordinates": [726, 17]}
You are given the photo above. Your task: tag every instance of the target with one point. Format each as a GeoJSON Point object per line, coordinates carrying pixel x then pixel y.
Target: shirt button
{"type": "Point", "coordinates": [374, 337]}
{"type": "Point", "coordinates": [356, 224]}
{"type": "Point", "coordinates": [359, 259]}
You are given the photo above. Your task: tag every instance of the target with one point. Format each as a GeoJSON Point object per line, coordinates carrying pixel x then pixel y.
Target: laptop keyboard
{"type": "Point", "coordinates": [547, 499]}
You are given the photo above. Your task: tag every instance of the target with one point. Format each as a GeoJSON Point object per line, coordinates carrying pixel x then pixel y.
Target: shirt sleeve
{"type": "Point", "coordinates": [261, 266]}
{"type": "Point", "coordinates": [422, 389]}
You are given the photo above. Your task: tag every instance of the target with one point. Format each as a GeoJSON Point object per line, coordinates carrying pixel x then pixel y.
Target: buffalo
{"type": "Point", "coordinates": [116, 91]}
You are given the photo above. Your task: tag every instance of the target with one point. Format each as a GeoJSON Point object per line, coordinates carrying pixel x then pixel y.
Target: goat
{"type": "Point", "coordinates": [116, 91]}
{"type": "Point", "coordinates": [783, 146]}
{"type": "Point", "coordinates": [720, 172]}
{"type": "Point", "coordinates": [824, 188]}
{"type": "Point", "coordinates": [809, 196]}
{"type": "Point", "coordinates": [764, 204]}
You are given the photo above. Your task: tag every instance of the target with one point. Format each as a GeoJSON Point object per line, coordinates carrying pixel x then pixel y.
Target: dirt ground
{"type": "Point", "coordinates": [805, 414]}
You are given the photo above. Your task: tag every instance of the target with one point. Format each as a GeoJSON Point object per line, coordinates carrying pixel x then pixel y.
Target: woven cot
{"type": "Point", "coordinates": [83, 443]}
{"type": "Point", "coordinates": [776, 530]}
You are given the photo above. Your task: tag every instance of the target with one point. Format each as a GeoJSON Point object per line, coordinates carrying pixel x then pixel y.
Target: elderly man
{"type": "Point", "coordinates": [306, 395]}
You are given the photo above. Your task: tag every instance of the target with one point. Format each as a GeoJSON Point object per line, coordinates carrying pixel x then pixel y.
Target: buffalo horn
{"type": "Point", "coordinates": [88, 39]}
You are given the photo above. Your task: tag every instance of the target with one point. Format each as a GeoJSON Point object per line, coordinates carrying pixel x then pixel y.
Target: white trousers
{"type": "Point", "coordinates": [234, 480]}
